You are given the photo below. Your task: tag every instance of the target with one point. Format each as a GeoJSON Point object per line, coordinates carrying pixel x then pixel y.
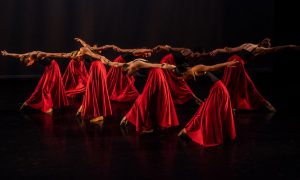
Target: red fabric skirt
{"type": "Point", "coordinates": [96, 100]}
{"type": "Point", "coordinates": [180, 90]}
{"type": "Point", "coordinates": [121, 86]}
{"type": "Point", "coordinates": [50, 92]}
{"type": "Point", "coordinates": [213, 122]}
{"type": "Point", "coordinates": [154, 107]}
{"type": "Point", "coordinates": [75, 79]}
{"type": "Point", "coordinates": [243, 93]}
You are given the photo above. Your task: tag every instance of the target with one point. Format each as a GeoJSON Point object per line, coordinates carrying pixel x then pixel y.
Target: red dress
{"type": "Point", "coordinates": [75, 79]}
{"type": "Point", "coordinates": [96, 100]}
{"type": "Point", "coordinates": [121, 86]}
{"type": "Point", "coordinates": [154, 107]}
{"type": "Point", "coordinates": [180, 90]}
{"type": "Point", "coordinates": [243, 93]}
{"type": "Point", "coordinates": [213, 122]}
{"type": "Point", "coordinates": [50, 92]}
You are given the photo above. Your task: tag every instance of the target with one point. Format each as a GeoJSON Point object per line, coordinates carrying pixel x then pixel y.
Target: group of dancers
{"type": "Point", "coordinates": [166, 86]}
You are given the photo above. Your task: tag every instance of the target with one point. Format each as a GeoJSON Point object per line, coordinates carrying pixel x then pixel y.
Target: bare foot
{"type": "Point", "coordinates": [123, 121]}
{"type": "Point", "coordinates": [270, 107]}
{"type": "Point", "coordinates": [97, 119]}
{"type": "Point", "coordinates": [23, 105]}
{"type": "Point", "coordinates": [147, 131]}
{"type": "Point", "coordinates": [49, 111]}
{"type": "Point", "coordinates": [182, 132]}
{"type": "Point", "coordinates": [79, 111]}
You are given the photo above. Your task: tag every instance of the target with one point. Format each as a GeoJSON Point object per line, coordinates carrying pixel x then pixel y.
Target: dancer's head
{"type": "Point", "coordinates": [181, 69]}
{"type": "Point", "coordinates": [27, 60]}
{"type": "Point", "coordinates": [266, 43]}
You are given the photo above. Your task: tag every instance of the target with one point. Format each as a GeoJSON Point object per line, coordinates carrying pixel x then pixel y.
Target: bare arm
{"type": "Point", "coordinates": [140, 63]}
{"type": "Point", "coordinates": [204, 68]}
{"type": "Point", "coordinates": [228, 50]}
{"type": "Point", "coordinates": [263, 51]}
{"type": "Point", "coordinates": [14, 55]}
{"type": "Point", "coordinates": [56, 55]}
{"type": "Point", "coordinates": [197, 55]}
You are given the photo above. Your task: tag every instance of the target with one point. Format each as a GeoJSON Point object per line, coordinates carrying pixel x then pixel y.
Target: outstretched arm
{"type": "Point", "coordinates": [263, 51]}
{"type": "Point", "coordinates": [228, 50]}
{"type": "Point", "coordinates": [167, 48]}
{"type": "Point", "coordinates": [140, 63]}
{"type": "Point", "coordinates": [204, 68]}
{"type": "Point", "coordinates": [70, 55]}
{"type": "Point", "coordinates": [197, 55]}
{"type": "Point", "coordinates": [14, 55]}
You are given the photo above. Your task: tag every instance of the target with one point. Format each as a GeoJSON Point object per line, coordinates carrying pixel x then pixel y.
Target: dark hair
{"type": "Point", "coordinates": [24, 60]}
{"type": "Point", "coordinates": [128, 57]}
{"type": "Point", "coordinates": [181, 68]}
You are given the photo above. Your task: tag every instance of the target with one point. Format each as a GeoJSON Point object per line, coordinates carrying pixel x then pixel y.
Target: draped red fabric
{"type": "Point", "coordinates": [243, 93]}
{"type": "Point", "coordinates": [213, 122]}
{"type": "Point", "coordinates": [121, 86]}
{"type": "Point", "coordinates": [180, 90]}
{"type": "Point", "coordinates": [75, 79]}
{"type": "Point", "coordinates": [154, 107]}
{"type": "Point", "coordinates": [50, 92]}
{"type": "Point", "coordinates": [96, 100]}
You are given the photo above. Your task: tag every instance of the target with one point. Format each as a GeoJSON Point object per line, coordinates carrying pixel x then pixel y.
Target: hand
{"type": "Point", "coordinates": [232, 63]}
{"type": "Point", "coordinates": [4, 53]}
{"type": "Point", "coordinates": [114, 64]}
{"type": "Point", "coordinates": [214, 52]}
{"type": "Point", "coordinates": [168, 66]}
{"type": "Point", "coordinates": [116, 48]}
{"type": "Point", "coordinates": [78, 40]}
{"type": "Point", "coordinates": [159, 48]}
{"type": "Point", "coordinates": [84, 50]}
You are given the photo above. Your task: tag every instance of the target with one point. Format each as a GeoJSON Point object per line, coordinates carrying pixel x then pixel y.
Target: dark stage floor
{"type": "Point", "coordinates": [39, 146]}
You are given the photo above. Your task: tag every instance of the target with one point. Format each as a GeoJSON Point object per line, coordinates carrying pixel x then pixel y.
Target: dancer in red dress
{"type": "Point", "coordinates": [96, 104]}
{"type": "Point", "coordinates": [154, 107]}
{"type": "Point", "coordinates": [49, 93]}
{"type": "Point", "coordinates": [213, 122]}
{"type": "Point", "coordinates": [180, 90]}
{"type": "Point", "coordinates": [243, 93]}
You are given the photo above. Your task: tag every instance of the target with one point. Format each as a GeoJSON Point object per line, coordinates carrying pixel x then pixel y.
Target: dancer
{"type": "Point", "coordinates": [213, 121]}
{"type": "Point", "coordinates": [180, 90]}
{"type": "Point", "coordinates": [49, 93]}
{"type": "Point", "coordinates": [95, 105]}
{"type": "Point", "coordinates": [243, 93]}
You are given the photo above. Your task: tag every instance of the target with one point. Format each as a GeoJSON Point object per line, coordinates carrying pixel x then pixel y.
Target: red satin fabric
{"type": "Point", "coordinates": [121, 86]}
{"type": "Point", "coordinates": [154, 107]}
{"type": "Point", "coordinates": [180, 90]}
{"type": "Point", "coordinates": [75, 79]}
{"type": "Point", "coordinates": [213, 122]}
{"type": "Point", "coordinates": [50, 92]}
{"type": "Point", "coordinates": [96, 100]}
{"type": "Point", "coordinates": [243, 93]}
